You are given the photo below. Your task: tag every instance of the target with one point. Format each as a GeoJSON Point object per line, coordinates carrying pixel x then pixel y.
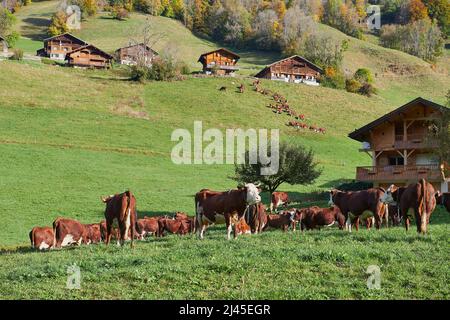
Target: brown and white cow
{"type": "Point", "coordinates": [316, 217]}
{"type": "Point", "coordinates": [93, 233]}
{"type": "Point", "coordinates": [278, 199]}
{"type": "Point", "coordinates": [242, 227]}
{"type": "Point", "coordinates": [148, 226]}
{"type": "Point", "coordinates": [420, 196]}
{"type": "Point", "coordinates": [355, 203]}
{"type": "Point", "coordinates": [227, 207]}
{"type": "Point", "coordinates": [170, 225]}
{"type": "Point", "coordinates": [256, 217]}
{"type": "Point", "coordinates": [443, 199]}
{"type": "Point", "coordinates": [42, 238]}
{"type": "Point", "coordinates": [121, 209]}
{"type": "Point", "coordinates": [68, 232]}
{"type": "Point", "coordinates": [280, 221]}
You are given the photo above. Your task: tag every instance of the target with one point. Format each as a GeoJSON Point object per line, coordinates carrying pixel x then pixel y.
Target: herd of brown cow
{"type": "Point", "coordinates": [242, 209]}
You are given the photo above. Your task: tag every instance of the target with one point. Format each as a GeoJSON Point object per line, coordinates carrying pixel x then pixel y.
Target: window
{"type": "Point", "coordinates": [396, 161]}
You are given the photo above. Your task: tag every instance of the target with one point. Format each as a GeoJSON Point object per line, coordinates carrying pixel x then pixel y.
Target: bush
{"type": "Point", "coordinates": [352, 85]}
{"type": "Point", "coordinates": [12, 39]}
{"type": "Point", "coordinates": [139, 73]}
{"type": "Point", "coordinates": [58, 24]}
{"type": "Point", "coordinates": [17, 54]}
{"type": "Point", "coordinates": [48, 61]}
{"type": "Point", "coordinates": [363, 76]}
{"type": "Point", "coordinates": [333, 78]}
{"type": "Point", "coordinates": [162, 70]}
{"type": "Point", "coordinates": [119, 13]}
{"type": "Point", "coordinates": [183, 68]}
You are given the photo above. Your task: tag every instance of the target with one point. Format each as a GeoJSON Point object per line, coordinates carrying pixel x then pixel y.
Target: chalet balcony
{"type": "Point", "coordinates": [399, 173]}
{"type": "Point", "coordinates": [414, 141]}
{"type": "Point", "coordinates": [222, 66]}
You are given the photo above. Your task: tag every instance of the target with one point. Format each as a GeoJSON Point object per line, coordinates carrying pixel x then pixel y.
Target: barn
{"type": "Point", "coordinates": [57, 47]}
{"type": "Point", "coordinates": [293, 69]}
{"type": "Point", "coordinates": [220, 62]}
{"type": "Point", "coordinates": [400, 148]}
{"type": "Point", "coordinates": [131, 54]}
{"type": "Point", "coordinates": [89, 56]}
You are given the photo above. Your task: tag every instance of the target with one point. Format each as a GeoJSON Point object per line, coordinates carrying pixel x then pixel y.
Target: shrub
{"type": "Point", "coordinates": [333, 78]}
{"type": "Point", "coordinates": [17, 54]}
{"type": "Point", "coordinates": [367, 90]}
{"type": "Point", "coordinates": [119, 13]}
{"type": "Point", "coordinates": [162, 70]}
{"type": "Point", "coordinates": [12, 39]}
{"type": "Point", "coordinates": [139, 73]}
{"type": "Point", "coordinates": [48, 61]}
{"type": "Point", "coordinates": [183, 68]}
{"type": "Point", "coordinates": [58, 24]}
{"type": "Point", "coordinates": [352, 85]}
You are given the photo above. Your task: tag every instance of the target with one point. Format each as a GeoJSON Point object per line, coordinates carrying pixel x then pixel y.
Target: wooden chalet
{"type": "Point", "coordinates": [89, 56]}
{"type": "Point", "coordinates": [293, 69]}
{"type": "Point", "coordinates": [57, 47]}
{"type": "Point", "coordinates": [220, 61]}
{"type": "Point", "coordinates": [131, 54]}
{"type": "Point", "coordinates": [400, 148]}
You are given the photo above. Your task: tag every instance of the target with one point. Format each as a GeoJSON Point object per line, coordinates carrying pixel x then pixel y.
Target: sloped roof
{"type": "Point", "coordinates": [358, 134]}
{"type": "Point", "coordinates": [220, 49]}
{"type": "Point", "coordinates": [92, 47]}
{"type": "Point", "coordinates": [139, 44]}
{"type": "Point", "coordinates": [69, 35]}
{"type": "Point", "coordinates": [296, 57]}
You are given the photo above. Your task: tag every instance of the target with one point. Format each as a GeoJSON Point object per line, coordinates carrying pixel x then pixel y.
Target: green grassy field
{"type": "Point", "coordinates": [69, 136]}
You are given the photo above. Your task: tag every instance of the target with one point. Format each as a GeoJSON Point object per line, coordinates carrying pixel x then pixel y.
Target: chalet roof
{"type": "Point", "coordinates": [358, 134]}
{"type": "Point", "coordinates": [69, 35]}
{"type": "Point", "coordinates": [139, 44]}
{"type": "Point", "coordinates": [236, 56]}
{"type": "Point", "coordinates": [296, 57]}
{"type": "Point", "coordinates": [107, 55]}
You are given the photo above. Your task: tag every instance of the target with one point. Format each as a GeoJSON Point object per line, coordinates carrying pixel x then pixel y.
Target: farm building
{"type": "Point", "coordinates": [57, 47]}
{"type": "Point", "coordinates": [89, 56]}
{"type": "Point", "coordinates": [400, 148]}
{"type": "Point", "coordinates": [3, 46]}
{"type": "Point", "coordinates": [131, 54]}
{"type": "Point", "coordinates": [293, 69]}
{"type": "Point", "coordinates": [220, 61]}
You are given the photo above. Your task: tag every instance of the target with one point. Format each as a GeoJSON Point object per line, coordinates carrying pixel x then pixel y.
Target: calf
{"type": "Point", "coordinates": [280, 221]}
{"type": "Point", "coordinates": [121, 208]}
{"type": "Point", "coordinates": [148, 226]}
{"type": "Point", "coordinates": [169, 225]}
{"type": "Point", "coordinates": [278, 199]}
{"type": "Point", "coordinates": [420, 196]}
{"type": "Point", "coordinates": [316, 217]}
{"type": "Point", "coordinates": [242, 227]}
{"type": "Point", "coordinates": [42, 238]}
{"type": "Point", "coordinates": [68, 232]}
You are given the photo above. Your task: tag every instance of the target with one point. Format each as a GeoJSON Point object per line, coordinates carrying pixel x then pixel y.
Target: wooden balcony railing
{"type": "Point", "coordinates": [413, 141]}
{"type": "Point", "coordinates": [399, 173]}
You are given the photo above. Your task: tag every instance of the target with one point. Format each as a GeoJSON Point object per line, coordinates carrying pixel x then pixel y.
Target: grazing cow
{"type": "Point", "coordinates": [68, 232]}
{"type": "Point", "coordinates": [443, 199]}
{"type": "Point", "coordinates": [148, 226]}
{"type": "Point", "coordinates": [241, 88]}
{"type": "Point", "coordinates": [121, 208]}
{"type": "Point", "coordinates": [357, 203]}
{"type": "Point", "coordinates": [278, 199]}
{"type": "Point", "coordinates": [316, 217]}
{"type": "Point", "coordinates": [42, 238]}
{"type": "Point", "coordinates": [256, 217]}
{"type": "Point", "coordinates": [420, 196]}
{"type": "Point", "coordinates": [227, 207]}
{"type": "Point", "coordinates": [222, 88]}
{"type": "Point", "coordinates": [93, 233]}
{"type": "Point", "coordinates": [242, 227]}
{"type": "Point", "coordinates": [280, 221]}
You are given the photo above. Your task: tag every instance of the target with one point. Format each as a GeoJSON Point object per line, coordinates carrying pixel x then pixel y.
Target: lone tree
{"type": "Point", "coordinates": [296, 166]}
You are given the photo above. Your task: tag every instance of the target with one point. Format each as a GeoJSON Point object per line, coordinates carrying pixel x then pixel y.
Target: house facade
{"type": "Point", "coordinates": [220, 61]}
{"type": "Point", "coordinates": [294, 69]}
{"type": "Point", "coordinates": [400, 148]}
{"type": "Point", "coordinates": [57, 47]}
{"type": "Point", "coordinates": [130, 55]}
{"type": "Point", "coordinates": [89, 56]}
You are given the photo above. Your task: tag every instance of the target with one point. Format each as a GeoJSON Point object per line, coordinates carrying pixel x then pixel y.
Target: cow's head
{"type": "Point", "coordinates": [388, 197]}
{"type": "Point", "coordinates": [298, 214]}
{"type": "Point", "coordinates": [107, 198]}
{"type": "Point", "coordinates": [253, 191]}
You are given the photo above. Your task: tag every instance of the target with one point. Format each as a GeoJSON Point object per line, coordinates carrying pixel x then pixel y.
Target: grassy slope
{"type": "Point", "coordinates": [69, 139]}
